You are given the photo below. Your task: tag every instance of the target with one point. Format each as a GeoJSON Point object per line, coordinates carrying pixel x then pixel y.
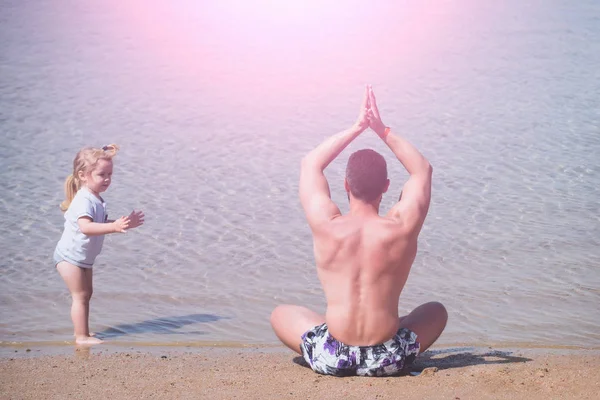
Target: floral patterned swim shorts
{"type": "Point", "coordinates": [326, 355]}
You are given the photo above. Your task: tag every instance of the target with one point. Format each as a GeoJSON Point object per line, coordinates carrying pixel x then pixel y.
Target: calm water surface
{"type": "Point", "coordinates": [214, 105]}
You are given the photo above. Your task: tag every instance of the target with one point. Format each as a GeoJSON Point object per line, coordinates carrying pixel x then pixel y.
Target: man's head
{"type": "Point", "coordinates": [366, 175]}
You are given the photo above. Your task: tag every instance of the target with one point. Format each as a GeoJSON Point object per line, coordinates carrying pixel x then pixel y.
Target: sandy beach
{"type": "Point", "coordinates": [275, 373]}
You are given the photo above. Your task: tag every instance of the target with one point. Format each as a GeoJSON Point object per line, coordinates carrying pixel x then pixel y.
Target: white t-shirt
{"type": "Point", "coordinates": [75, 247]}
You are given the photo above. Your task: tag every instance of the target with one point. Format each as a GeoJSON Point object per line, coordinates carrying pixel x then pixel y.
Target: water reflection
{"type": "Point", "coordinates": [159, 326]}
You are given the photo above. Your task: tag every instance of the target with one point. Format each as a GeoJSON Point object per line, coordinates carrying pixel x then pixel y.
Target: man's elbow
{"type": "Point", "coordinates": [304, 161]}
{"type": "Point", "coordinates": [426, 169]}
{"type": "Point", "coordinates": [308, 162]}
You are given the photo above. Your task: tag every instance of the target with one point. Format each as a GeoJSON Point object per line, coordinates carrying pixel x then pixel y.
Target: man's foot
{"type": "Point", "coordinates": [88, 340]}
{"type": "Point", "coordinates": [92, 334]}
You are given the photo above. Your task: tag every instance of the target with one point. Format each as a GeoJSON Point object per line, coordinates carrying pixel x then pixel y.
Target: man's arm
{"type": "Point", "coordinates": [413, 204]}
{"type": "Point", "coordinates": [314, 189]}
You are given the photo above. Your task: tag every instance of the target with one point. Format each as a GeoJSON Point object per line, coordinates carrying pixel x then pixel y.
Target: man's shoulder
{"type": "Point", "coordinates": [330, 227]}
{"type": "Point", "coordinates": [346, 225]}
{"type": "Point", "coordinates": [388, 229]}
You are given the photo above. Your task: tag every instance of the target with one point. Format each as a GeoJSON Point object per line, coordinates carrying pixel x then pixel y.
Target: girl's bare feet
{"type": "Point", "coordinates": [87, 340]}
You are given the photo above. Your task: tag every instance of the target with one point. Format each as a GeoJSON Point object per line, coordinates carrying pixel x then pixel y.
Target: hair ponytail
{"type": "Point", "coordinates": [71, 188]}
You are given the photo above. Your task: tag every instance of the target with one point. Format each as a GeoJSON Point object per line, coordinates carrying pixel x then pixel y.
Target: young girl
{"type": "Point", "coordinates": [86, 223]}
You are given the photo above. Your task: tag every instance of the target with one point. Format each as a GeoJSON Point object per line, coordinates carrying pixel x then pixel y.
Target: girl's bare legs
{"type": "Point", "coordinates": [79, 282]}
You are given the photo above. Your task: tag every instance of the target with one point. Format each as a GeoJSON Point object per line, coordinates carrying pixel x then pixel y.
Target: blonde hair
{"type": "Point", "coordinates": [85, 161]}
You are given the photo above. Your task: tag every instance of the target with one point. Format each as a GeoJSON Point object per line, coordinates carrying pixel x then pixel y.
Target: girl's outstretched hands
{"type": "Point", "coordinates": [136, 218]}
{"type": "Point", "coordinates": [133, 220]}
{"type": "Point", "coordinates": [121, 224]}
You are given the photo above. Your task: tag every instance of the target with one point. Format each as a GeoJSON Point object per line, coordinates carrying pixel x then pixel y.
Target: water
{"type": "Point", "coordinates": [213, 106]}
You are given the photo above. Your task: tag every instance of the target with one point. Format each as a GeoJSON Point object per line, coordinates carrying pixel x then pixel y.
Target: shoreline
{"type": "Point", "coordinates": [53, 348]}
{"type": "Point", "coordinates": [276, 372]}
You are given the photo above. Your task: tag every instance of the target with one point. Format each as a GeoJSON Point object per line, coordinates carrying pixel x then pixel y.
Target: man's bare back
{"type": "Point", "coordinates": [363, 260]}
{"type": "Point", "coordinates": [363, 263]}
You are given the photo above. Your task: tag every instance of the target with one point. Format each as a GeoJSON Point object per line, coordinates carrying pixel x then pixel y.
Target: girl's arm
{"type": "Point", "coordinates": [90, 228]}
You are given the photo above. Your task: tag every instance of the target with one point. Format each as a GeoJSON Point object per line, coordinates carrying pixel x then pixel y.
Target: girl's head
{"type": "Point", "coordinates": [92, 168]}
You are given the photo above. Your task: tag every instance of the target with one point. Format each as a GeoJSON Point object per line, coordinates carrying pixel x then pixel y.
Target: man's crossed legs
{"type": "Point", "coordinates": [427, 322]}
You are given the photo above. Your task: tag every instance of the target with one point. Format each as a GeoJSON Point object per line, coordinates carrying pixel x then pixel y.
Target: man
{"type": "Point", "coordinates": [363, 260]}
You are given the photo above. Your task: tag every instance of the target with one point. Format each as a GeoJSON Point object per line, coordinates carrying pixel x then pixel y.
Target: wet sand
{"type": "Point", "coordinates": [266, 373]}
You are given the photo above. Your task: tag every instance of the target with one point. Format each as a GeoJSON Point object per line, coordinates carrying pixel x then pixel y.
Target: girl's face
{"type": "Point", "coordinates": [98, 179]}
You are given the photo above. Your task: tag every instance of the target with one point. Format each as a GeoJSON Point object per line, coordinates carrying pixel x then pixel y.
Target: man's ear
{"type": "Point", "coordinates": [346, 185]}
{"type": "Point", "coordinates": [387, 186]}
